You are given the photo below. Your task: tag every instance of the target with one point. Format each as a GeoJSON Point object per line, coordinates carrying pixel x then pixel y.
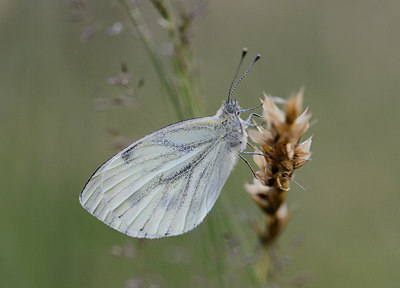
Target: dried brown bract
{"type": "Point", "coordinates": [282, 153]}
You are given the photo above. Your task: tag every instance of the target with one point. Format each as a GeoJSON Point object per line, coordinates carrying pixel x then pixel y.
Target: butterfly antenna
{"type": "Point", "coordinates": [244, 75]}
{"type": "Point", "coordinates": [244, 52]}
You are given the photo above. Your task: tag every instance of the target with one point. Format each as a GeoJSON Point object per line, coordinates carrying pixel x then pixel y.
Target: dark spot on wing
{"type": "Point", "coordinates": [127, 155]}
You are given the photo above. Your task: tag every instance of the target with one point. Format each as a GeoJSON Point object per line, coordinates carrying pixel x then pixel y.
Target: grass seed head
{"type": "Point", "coordinates": [283, 152]}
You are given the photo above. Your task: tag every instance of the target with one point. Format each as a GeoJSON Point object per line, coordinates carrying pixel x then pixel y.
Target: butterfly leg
{"type": "Point", "coordinates": [247, 122]}
{"type": "Point", "coordinates": [253, 153]}
{"type": "Point", "coordinates": [248, 164]}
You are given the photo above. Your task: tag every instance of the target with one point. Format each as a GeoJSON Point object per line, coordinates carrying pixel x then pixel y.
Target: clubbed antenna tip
{"type": "Point", "coordinates": [244, 74]}
{"type": "Point", "coordinates": [244, 52]}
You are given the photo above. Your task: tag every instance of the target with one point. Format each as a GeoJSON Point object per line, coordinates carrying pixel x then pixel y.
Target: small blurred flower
{"type": "Point", "coordinates": [89, 31]}
{"type": "Point", "coordinates": [78, 10]}
{"type": "Point", "coordinates": [125, 251]}
{"type": "Point", "coordinates": [124, 81]}
{"type": "Point", "coordinates": [232, 243]}
{"type": "Point", "coordinates": [116, 251]}
{"type": "Point", "coordinates": [115, 29]}
{"type": "Point", "coordinates": [87, 34]}
{"type": "Point", "coordinates": [135, 283]}
{"type": "Point", "coordinates": [118, 81]}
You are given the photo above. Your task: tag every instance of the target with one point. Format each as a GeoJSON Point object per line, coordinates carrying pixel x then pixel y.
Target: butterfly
{"type": "Point", "coordinates": [166, 183]}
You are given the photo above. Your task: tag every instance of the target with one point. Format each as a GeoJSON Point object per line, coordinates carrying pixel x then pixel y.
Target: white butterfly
{"type": "Point", "coordinates": [165, 183]}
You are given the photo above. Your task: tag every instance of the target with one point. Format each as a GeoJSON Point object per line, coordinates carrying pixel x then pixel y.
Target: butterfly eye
{"type": "Point", "coordinates": [229, 109]}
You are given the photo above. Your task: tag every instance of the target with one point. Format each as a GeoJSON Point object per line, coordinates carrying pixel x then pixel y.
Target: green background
{"type": "Point", "coordinates": [346, 54]}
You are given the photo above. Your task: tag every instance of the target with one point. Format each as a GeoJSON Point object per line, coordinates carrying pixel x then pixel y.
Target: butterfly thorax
{"type": "Point", "coordinates": [235, 135]}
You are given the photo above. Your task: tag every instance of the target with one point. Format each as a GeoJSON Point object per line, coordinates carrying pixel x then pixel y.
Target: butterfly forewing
{"type": "Point", "coordinates": [165, 183]}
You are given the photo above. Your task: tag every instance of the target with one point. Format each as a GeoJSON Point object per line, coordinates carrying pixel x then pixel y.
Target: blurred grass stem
{"type": "Point", "coordinates": [138, 22]}
{"type": "Point", "coordinates": [181, 54]}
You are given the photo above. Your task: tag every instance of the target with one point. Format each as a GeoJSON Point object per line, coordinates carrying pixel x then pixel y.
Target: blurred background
{"type": "Point", "coordinates": [57, 128]}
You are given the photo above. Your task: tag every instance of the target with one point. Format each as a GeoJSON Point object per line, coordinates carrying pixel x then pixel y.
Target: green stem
{"type": "Point", "coordinates": [137, 20]}
{"type": "Point", "coordinates": [184, 80]}
{"type": "Point", "coordinates": [180, 57]}
{"type": "Point", "coordinates": [218, 252]}
{"type": "Point", "coordinates": [232, 226]}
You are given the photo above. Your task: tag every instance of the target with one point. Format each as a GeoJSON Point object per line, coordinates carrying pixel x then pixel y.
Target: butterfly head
{"type": "Point", "coordinates": [232, 107]}
{"type": "Point", "coordinates": [230, 111]}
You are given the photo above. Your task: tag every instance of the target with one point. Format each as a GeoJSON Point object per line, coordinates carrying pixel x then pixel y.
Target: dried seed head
{"type": "Point", "coordinates": [280, 143]}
